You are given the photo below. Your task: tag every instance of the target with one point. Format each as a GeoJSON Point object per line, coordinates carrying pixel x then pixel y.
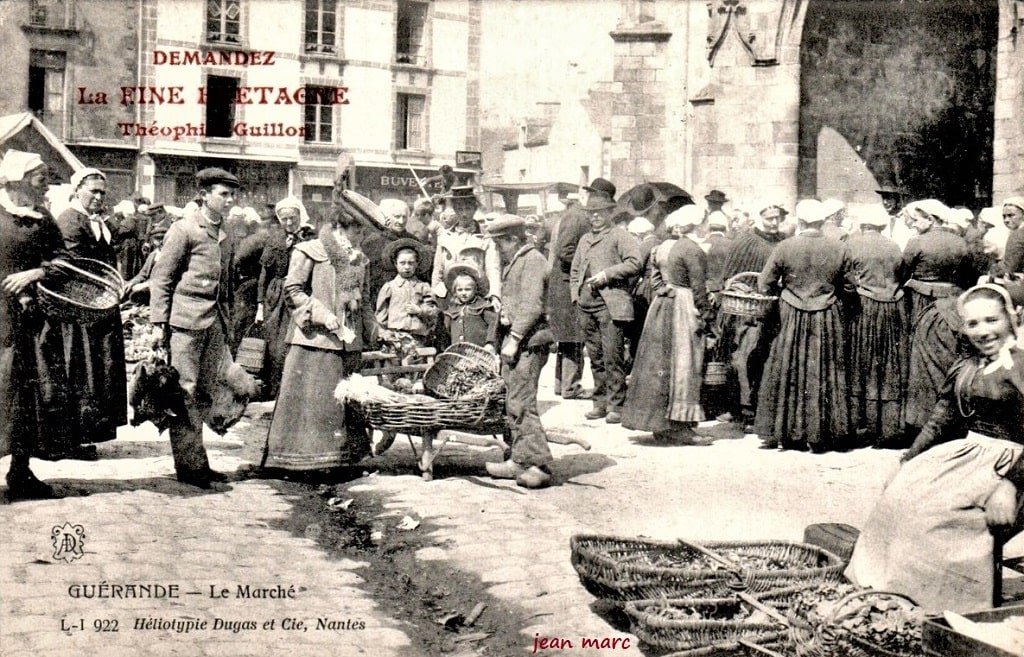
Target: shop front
{"type": "Point", "coordinates": [262, 182]}
{"type": "Point", "coordinates": [381, 182]}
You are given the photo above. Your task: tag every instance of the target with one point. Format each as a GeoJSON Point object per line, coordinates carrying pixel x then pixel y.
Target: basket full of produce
{"type": "Point", "coordinates": [412, 413]}
{"type": "Point", "coordinates": [464, 371]}
{"type": "Point", "coordinates": [624, 569]}
{"type": "Point", "coordinates": [739, 296]}
{"type": "Point", "coordinates": [846, 621]}
{"type": "Point", "coordinates": [139, 334]}
{"type": "Point", "coordinates": [80, 291]}
{"type": "Point", "coordinates": [697, 624]}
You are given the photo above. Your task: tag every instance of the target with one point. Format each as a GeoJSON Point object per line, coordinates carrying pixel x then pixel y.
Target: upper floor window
{"type": "Point", "coordinates": [319, 119]}
{"type": "Point", "coordinates": [224, 21]}
{"type": "Point", "coordinates": [321, 25]}
{"type": "Point", "coordinates": [411, 26]}
{"type": "Point", "coordinates": [51, 13]}
{"type": "Point", "coordinates": [46, 82]}
{"type": "Point", "coordinates": [410, 117]}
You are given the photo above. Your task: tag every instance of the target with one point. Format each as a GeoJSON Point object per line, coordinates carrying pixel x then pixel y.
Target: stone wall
{"type": "Point", "coordinates": [1008, 142]}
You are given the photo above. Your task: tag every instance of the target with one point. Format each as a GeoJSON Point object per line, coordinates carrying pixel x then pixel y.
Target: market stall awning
{"type": "Point", "coordinates": [25, 132]}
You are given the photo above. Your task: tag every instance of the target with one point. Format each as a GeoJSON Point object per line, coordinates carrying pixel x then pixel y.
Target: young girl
{"type": "Point", "coordinates": [470, 316]}
{"type": "Point", "coordinates": [406, 309]}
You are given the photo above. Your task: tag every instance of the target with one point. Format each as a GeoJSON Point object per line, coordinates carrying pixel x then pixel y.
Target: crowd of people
{"type": "Point", "coordinates": [888, 326]}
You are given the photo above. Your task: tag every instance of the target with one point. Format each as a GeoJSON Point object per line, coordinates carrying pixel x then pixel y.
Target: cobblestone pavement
{"type": "Point", "coordinates": [142, 526]}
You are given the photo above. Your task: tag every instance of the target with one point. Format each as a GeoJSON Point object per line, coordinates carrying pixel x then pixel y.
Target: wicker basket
{"type": "Point", "coordinates": [717, 374]}
{"type": "Point", "coordinates": [830, 639]}
{"type": "Point", "coordinates": [744, 304]}
{"type": "Point", "coordinates": [454, 376]}
{"type": "Point", "coordinates": [483, 414]}
{"type": "Point", "coordinates": [476, 353]}
{"type": "Point", "coordinates": [717, 624]}
{"type": "Point", "coordinates": [81, 291]}
{"type": "Point", "coordinates": [613, 568]}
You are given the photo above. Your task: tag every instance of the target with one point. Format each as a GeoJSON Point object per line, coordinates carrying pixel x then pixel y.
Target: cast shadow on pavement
{"type": "Point", "coordinates": [706, 436]}
{"type": "Point", "coordinates": [72, 488]}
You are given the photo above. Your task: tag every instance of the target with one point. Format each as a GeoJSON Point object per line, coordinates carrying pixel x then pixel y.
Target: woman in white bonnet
{"type": "Point", "coordinates": [29, 240]}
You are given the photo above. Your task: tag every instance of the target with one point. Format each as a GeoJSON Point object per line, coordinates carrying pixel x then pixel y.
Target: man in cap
{"type": "Point", "coordinates": [716, 199]}
{"type": "Point", "coordinates": [524, 351]}
{"type": "Point", "coordinates": [573, 224]}
{"type": "Point", "coordinates": [892, 198]}
{"type": "Point", "coordinates": [191, 292]}
{"type": "Point", "coordinates": [1013, 218]}
{"type": "Point", "coordinates": [604, 269]}
{"type": "Point", "coordinates": [463, 242]}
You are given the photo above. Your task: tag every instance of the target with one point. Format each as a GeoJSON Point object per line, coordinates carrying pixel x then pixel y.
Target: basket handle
{"type": "Point", "coordinates": [730, 566]}
{"type": "Point", "coordinates": [756, 649]}
{"type": "Point", "coordinates": [97, 279]}
{"type": "Point", "coordinates": [742, 274]}
{"type": "Point", "coordinates": [763, 608]}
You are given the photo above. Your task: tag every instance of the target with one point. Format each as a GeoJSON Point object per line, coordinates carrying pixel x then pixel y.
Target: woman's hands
{"type": "Point", "coordinates": [18, 281]}
{"type": "Point", "coordinates": [1001, 505]}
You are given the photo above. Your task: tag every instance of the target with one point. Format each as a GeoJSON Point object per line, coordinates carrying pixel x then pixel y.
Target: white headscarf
{"type": "Point", "coordinates": [16, 164]}
{"type": "Point", "coordinates": [688, 215]}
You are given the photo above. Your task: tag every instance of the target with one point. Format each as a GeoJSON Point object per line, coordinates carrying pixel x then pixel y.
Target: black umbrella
{"type": "Point", "coordinates": [638, 200]}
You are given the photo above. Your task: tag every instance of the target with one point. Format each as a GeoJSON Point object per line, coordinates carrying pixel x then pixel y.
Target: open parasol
{"type": "Point", "coordinates": [638, 200]}
{"type": "Point", "coordinates": [361, 206]}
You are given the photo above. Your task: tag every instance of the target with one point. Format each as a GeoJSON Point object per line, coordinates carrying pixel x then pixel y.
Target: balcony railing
{"type": "Point", "coordinates": [410, 59]}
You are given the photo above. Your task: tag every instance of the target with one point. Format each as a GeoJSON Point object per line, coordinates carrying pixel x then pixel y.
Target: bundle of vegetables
{"type": "Point", "coordinates": [696, 560]}
{"type": "Point", "coordinates": [139, 334]}
{"type": "Point", "coordinates": [838, 619]}
{"type": "Point", "coordinates": [362, 389]}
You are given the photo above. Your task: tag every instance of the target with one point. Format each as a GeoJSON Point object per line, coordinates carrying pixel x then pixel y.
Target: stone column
{"type": "Point", "coordinates": [638, 110]}
{"type": "Point", "coordinates": [1008, 138]}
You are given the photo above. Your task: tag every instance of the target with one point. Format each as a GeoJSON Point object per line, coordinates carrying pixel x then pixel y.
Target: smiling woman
{"type": "Point", "coordinates": [929, 536]}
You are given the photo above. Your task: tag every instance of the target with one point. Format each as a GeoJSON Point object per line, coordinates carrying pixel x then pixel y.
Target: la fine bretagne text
{"type": "Point", "coordinates": [184, 623]}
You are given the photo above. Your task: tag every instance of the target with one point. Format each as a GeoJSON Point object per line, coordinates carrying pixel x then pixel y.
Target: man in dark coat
{"type": "Point", "coordinates": [601, 279]}
{"type": "Point", "coordinates": [524, 352]}
{"type": "Point", "coordinates": [572, 225]}
{"type": "Point", "coordinates": [191, 294]}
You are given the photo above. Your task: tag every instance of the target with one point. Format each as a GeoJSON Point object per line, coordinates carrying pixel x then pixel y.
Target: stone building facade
{"type": "Point", "coordinates": [743, 95]}
{"type": "Point", "coordinates": [282, 92]}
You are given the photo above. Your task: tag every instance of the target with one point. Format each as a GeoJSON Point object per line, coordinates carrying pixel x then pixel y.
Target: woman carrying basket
{"type": "Point", "coordinates": [29, 240]}
{"type": "Point", "coordinates": [929, 535]}
{"type": "Point", "coordinates": [95, 352]}
{"type": "Point", "coordinates": [804, 397]}
{"type": "Point", "coordinates": [664, 397]}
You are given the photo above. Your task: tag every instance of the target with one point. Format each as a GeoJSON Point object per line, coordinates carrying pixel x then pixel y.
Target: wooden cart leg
{"type": "Point", "coordinates": [431, 451]}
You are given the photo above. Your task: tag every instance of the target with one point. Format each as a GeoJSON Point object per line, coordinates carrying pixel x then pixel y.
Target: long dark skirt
{"type": "Point", "coordinates": [933, 350]}
{"type": "Point", "coordinates": [97, 378]}
{"type": "Point", "coordinates": [310, 430]}
{"type": "Point", "coordinates": [665, 391]}
{"type": "Point", "coordinates": [277, 321]}
{"type": "Point", "coordinates": [804, 396]}
{"type": "Point", "coordinates": [879, 345]}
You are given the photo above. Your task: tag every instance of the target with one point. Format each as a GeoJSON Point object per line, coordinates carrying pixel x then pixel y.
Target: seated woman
{"type": "Point", "coordinates": [928, 537]}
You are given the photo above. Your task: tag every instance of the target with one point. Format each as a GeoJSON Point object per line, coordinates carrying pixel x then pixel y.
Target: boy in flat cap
{"type": "Point", "coordinates": [190, 302]}
{"type": "Point", "coordinates": [524, 351]}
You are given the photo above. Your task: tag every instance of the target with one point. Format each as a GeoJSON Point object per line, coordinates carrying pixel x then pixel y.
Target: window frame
{"type": "Point", "coordinates": [221, 36]}
{"type": "Point", "coordinates": [47, 61]}
{"type": "Point", "coordinates": [320, 44]}
{"type": "Point", "coordinates": [314, 136]}
{"type": "Point", "coordinates": [417, 56]}
{"type": "Point", "coordinates": [403, 123]}
{"type": "Point", "coordinates": [232, 117]}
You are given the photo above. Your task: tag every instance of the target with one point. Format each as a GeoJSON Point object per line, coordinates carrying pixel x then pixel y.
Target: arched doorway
{"type": "Point", "coordinates": [901, 93]}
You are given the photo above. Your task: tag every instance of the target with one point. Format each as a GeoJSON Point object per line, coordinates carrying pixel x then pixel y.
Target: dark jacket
{"type": "Point", "coordinates": [524, 288]}
{"type": "Point", "coordinates": [1013, 259]}
{"type": "Point", "coordinates": [192, 284]}
{"type": "Point", "coordinates": [938, 256]}
{"type": "Point", "coordinates": [718, 253]}
{"type": "Point", "coordinates": [572, 225]}
{"type": "Point", "coordinates": [616, 253]}
{"type": "Point", "coordinates": [874, 265]}
{"type": "Point", "coordinates": [81, 242]}
{"type": "Point", "coordinates": [475, 322]}
{"type": "Point", "coordinates": [810, 269]}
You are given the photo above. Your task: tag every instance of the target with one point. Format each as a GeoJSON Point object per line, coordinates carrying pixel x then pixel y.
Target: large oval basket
{"type": "Point", "coordinates": [734, 301]}
{"type": "Point", "coordinates": [80, 291]}
{"type": "Point", "coordinates": [480, 414]}
{"type": "Point", "coordinates": [634, 569]}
